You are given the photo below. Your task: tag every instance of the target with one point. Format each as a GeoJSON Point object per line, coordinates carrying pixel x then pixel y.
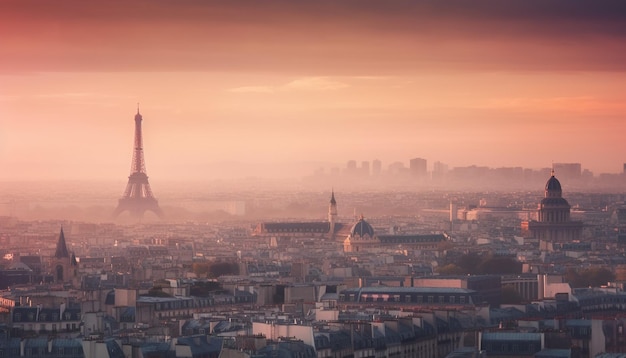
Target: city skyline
{"type": "Point", "coordinates": [495, 84]}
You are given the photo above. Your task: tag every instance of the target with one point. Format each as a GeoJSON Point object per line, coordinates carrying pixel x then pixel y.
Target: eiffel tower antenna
{"type": "Point", "coordinates": [138, 197]}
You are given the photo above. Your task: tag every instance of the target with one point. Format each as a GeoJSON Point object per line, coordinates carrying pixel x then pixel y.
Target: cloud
{"type": "Point", "coordinates": [299, 84]}
{"type": "Point", "coordinates": [252, 89]}
{"type": "Point", "coordinates": [314, 84]}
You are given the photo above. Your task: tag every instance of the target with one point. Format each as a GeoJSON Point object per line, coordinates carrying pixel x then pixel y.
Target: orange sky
{"type": "Point", "coordinates": [496, 83]}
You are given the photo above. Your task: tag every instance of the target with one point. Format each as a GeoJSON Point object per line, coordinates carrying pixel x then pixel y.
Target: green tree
{"type": "Point", "coordinates": [223, 268]}
{"type": "Point", "coordinates": [469, 262]}
{"type": "Point", "coordinates": [450, 269]}
{"type": "Point", "coordinates": [201, 269]}
{"type": "Point", "coordinates": [591, 277]}
{"type": "Point", "coordinates": [499, 265]}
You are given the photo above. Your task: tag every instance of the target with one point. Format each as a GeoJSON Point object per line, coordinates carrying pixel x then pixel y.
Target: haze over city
{"type": "Point", "coordinates": [233, 89]}
{"type": "Point", "coordinates": [312, 179]}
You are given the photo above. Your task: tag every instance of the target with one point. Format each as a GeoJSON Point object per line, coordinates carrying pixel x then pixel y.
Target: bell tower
{"type": "Point", "coordinates": [63, 266]}
{"type": "Point", "coordinates": [332, 214]}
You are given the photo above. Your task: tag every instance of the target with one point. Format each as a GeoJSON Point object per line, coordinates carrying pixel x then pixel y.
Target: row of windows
{"type": "Point", "coordinates": [510, 347]}
{"type": "Point", "coordinates": [298, 230]}
{"type": "Point", "coordinates": [43, 317]}
{"type": "Point", "coordinates": [53, 327]}
{"type": "Point", "coordinates": [182, 304]}
{"type": "Point", "coordinates": [440, 299]}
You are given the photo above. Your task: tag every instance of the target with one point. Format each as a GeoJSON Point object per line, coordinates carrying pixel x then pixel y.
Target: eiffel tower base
{"type": "Point", "coordinates": [137, 207]}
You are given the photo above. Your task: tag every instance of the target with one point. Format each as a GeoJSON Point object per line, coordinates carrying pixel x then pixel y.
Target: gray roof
{"type": "Point", "coordinates": [511, 336]}
{"type": "Point", "coordinates": [554, 353]}
{"type": "Point", "coordinates": [201, 344]}
{"type": "Point", "coordinates": [400, 290]}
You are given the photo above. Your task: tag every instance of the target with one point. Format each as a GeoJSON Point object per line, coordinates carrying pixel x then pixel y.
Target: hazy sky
{"type": "Point", "coordinates": [264, 83]}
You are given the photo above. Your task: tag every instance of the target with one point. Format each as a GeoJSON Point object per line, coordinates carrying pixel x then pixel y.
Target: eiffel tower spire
{"type": "Point", "coordinates": [138, 197]}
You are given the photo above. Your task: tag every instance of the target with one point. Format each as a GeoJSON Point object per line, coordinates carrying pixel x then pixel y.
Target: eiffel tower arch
{"type": "Point", "coordinates": [138, 197]}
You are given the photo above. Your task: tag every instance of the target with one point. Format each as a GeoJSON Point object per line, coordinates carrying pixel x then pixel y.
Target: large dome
{"type": "Point", "coordinates": [554, 202]}
{"type": "Point", "coordinates": [361, 228]}
{"type": "Point", "coordinates": [553, 184]}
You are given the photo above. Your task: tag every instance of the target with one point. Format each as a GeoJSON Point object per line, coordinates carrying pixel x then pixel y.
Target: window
{"type": "Point", "coordinates": [451, 299]}
{"type": "Point", "coordinates": [441, 299]}
{"type": "Point", "coordinates": [462, 300]}
{"type": "Point", "coordinates": [430, 299]}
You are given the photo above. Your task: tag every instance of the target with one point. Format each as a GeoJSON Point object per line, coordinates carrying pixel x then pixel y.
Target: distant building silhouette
{"type": "Point", "coordinates": [417, 166]}
{"type": "Point", "coordinates": [439, 171]}
{"type": "Point", "coordinates": [570, 172]}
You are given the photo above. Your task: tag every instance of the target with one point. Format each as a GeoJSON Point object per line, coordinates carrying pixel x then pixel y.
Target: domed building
{"type": "Point", "coordinates": [361, 237]}
{"type": "Point", "coordinates": [553, 224]}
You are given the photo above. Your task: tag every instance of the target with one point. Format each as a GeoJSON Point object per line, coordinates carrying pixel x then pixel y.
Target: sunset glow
{"type": "Point", "coordinates": [268, 84]}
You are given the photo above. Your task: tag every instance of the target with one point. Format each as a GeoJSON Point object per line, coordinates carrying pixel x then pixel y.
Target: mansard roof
{"type": "Point", "coordinates": [393, 239]}
{"type": "Point", "coordinates": [298, 227]}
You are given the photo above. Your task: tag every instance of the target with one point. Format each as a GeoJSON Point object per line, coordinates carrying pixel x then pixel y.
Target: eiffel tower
{"type": "Point", "coordinates": [138, 197]}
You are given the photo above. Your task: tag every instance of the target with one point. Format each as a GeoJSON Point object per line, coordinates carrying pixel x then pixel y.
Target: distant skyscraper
{"type": "Point", "coordinates": [417, 167]}
{"type": "Point", "coordinates": [568, 171]}
{"type": "Point", "coordinates": [377, 166]}
{"type": "Point", "coordinates": [351, 169]}
{"type": "Point", "coordinates": [439, 171]}
{"type": "Point", "coordinates": [624, 168]}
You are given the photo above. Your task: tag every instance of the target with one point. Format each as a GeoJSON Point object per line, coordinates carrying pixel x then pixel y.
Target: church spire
{"type": "Point", "coordinates": [61, 251]}
{"type": "Point", "coordinates": [332, 213]}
